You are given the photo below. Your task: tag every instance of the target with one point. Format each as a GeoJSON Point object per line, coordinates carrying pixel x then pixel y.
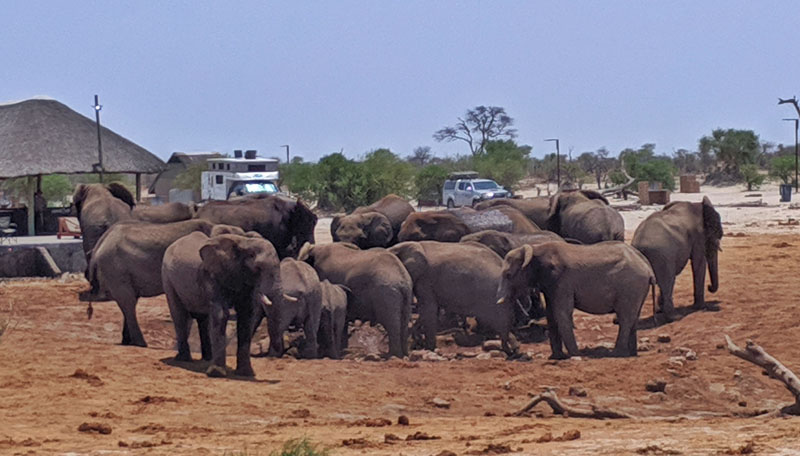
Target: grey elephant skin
{"type": "Point", "coordinates": [285, 222]}
{"type": "Point", "coordinates": [598, 279]}
{"type": "Point", "coordinates": [97, 207]}
{"type": "Point", "coordinates": [585, 215]}
{"type": "Point", "coordinates": [502, 243]}
{"type": "Point", "coordinates": [332, 336]}
{"type": "Point", "coordinates": [536, 209]}
{"type": "Point", "coordinates": [462, 279]}
{"type": "Point", "coordinates": [681, 232]}
{"type": "Point", "coordinates": [381, 287]}
{"type": "Point", "coordinates": [126, 265]}
{"type": "Point", "coordinates": [376, 225]}
{"type": "Point", "coordinates": [452, 225]}
{"type": "Point", "coordinates": [164, 213]}
{"type": "Point", "coordinates": [304, 306]}
{"type": "Point", "coordinates": [242, 273]}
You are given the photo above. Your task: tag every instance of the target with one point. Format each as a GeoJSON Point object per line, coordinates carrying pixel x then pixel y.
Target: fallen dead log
{"type": "Point", "coordinates": [758, 356]}
{"type": "Point", "coordinates": [621, 188]}
{"type": "Point", "coordinates": [757, 203]}
{"type": "Point", "coordinates": [561, 408]}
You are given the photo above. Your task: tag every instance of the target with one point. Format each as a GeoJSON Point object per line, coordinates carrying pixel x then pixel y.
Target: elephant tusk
{"type": "Point", "coordinates": [501, 301]}
{"type": "Point", "coordinates": [286, 297]}
{"type": "Point", "coordinates": [265, 300]}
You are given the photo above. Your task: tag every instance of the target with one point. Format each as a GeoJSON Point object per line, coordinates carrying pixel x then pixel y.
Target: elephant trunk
{"type": "Point", "coordinates": [713, 270]}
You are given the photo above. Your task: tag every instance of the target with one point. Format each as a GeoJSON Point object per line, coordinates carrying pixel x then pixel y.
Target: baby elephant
{"type": "Point", "coordinates": [598, 279]}
{"type": "Point", "coordinates": [332, 336]}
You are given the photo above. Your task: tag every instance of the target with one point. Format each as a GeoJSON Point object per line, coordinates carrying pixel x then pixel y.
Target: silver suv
{"type": "Point", "coordinates": [465, 189]}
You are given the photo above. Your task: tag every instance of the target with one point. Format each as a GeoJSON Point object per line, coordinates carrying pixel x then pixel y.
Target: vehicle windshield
{"type": "Point", "coordinates": [245, 188]}
{"type": "Point", "coordinates": [485, 185]}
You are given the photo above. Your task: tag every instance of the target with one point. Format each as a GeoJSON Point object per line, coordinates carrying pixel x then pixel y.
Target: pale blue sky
{"type": "Point", "coordinates": [358, 75]}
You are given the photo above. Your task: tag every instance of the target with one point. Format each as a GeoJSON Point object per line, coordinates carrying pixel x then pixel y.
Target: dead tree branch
{"type": "Point", "coordinates": [560, 408]}
{"type": "Point", "coordinates": [620, 188]}
{"type": "Point", "coordinates": [758, 356]}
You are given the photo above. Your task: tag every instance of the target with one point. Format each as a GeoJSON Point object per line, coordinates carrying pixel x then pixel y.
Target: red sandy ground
{"type": "Point", "coordinates": [153, 407]}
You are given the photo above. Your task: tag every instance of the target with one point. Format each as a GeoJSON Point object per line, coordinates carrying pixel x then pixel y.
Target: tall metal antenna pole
{"type": "Point", "coordinates": [97, 108]}
{"type": "Point", "coordinates": [287, 152]}
{"type": "Point", "coordinates": [558, 164]}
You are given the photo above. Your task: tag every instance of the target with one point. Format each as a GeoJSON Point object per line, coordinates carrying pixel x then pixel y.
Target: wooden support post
{"type": "Point", "coordinates": [30, 205]}
{"type": "Point", "coordinates": [138, 187]}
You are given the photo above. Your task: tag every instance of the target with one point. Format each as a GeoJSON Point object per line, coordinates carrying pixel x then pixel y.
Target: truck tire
{"type": "Point", "coordinates": [450, 204]}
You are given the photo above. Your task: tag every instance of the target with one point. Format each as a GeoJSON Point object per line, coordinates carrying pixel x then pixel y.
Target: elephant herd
{"type": "Point", "coordinates": [257, 256]}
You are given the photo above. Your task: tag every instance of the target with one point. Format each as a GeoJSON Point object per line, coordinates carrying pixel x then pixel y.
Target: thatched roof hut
{"type": "Point", "coordinates": [41, 136]}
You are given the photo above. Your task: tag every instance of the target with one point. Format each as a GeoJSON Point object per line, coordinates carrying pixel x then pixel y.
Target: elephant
{"type": "Point", "coordinates": [286, 223]}
{"type": "Point", "coordinates": [381, 287]}
{"type": "Point", "coordinates": [586, 216]}
{"type": "Point", "coordinates": [452, 225]}
{"type": "Point", "coordinates": [97, 207]}
{"type": "Point", "coordinates": [502, 243]}
{"type": "Point", "coordinates": [302, 304]}
{"type": "Point", "coordinates": [126, 265]}
{"type": "Point", "coordinates": [242, 273]}
{"type": "Point", "coordinates": [165, 213]}
{"type": "Point", "coordinates": [536, 209]}
{"type": "Point", "coordinates": [462, 279]}
{"type": "Point", "coordinates": [375, 225]}
{"type": "Point", "coordinates": [681, 232]}
{"type": "Point", "coordinates": [332, 334]}
{"type": "Point", "coordinates": [598, 279]}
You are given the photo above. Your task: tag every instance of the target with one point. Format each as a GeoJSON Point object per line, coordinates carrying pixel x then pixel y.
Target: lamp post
{"type": "Point", "coordinates": [287, 152]}
{"type": "Point", "coordinates": [558, 164]}
{"type": "Point", "coordinates": [796, 154]}
{"type": "Point", "coordinates": [97, 108]}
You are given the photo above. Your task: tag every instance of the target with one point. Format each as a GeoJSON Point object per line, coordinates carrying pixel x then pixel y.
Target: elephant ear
{"type": "Point", "coordinates": [119, 191]}
{"type": "Point", "coordinates": [78, 198]}
{"type": "Point", "coordinates": [712, 223]}
{"type": "Point", "coordinates": [527, 255]}
{"type": "Point", "coordinates": [218, 256]}
{"type": "Point", "coordinates": [412, 255]}
{"type": "Point", "coordinates": [337, 220]}
{"type": "Point", "coordinates": [379, 229]}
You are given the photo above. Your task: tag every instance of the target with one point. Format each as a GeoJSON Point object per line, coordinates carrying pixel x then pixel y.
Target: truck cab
{"type": "Point", "coordinates": [466, 189]}
{"type": "Point", "coordinates": [239, 176]}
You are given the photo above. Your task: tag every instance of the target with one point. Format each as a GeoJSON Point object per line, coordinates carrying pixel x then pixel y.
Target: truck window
{"type": "Point", "coordinates": [256, 167]}
{"type": "Point", "coordinates": [461, 185]}
{"type": "Point", "coordinates": [449, 185]}
{"type": "Point", "coordinates": [219, 179]}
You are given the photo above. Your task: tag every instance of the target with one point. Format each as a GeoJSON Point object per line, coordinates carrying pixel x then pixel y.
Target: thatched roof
{"type": "Point", "coordinates": [41, 136]}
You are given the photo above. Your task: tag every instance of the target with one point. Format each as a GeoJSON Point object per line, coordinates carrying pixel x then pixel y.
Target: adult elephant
{"type": "Point", "coordinates": [598, 279]}
{"type": "Point", "coordinates": [98, 206]}
{"type": "Point", "coordinates": [460, 278]}
{"type": "Point", "coordinates": [536, 209]}
{"type": "Point", "coordinates": [502, 243]}
{"type": "Point", "coordinates": [285, 222]}
{"type": "Point", "coordinates": [586, 216]}
{"type": "Point", "coordinates": [452, 225]}
{"type": "Point", "coordinates": [302, 305]}
{"type": "Point", "coordinates": [681, 232]}
{"type": "Point", "coordinates": [126, 265]}
{"type": "Point", "coordinates": [381, 287]}
{"type": "Point", "coordinates": [375, 225]}
{"type": "Point", "coordinates": [165, 213]}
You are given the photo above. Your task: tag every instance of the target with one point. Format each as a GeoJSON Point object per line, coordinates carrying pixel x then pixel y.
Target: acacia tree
{"type": "Point", "coordinates": [479, 126]}
{"type": "Point", "coordinates": [596, 163]}
{"type": "Point", "coordinates": [420, 156]}
{"type": "Point", "coordinates": [733, 148]}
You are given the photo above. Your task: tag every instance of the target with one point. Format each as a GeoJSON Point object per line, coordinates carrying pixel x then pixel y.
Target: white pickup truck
{"type": "Point", "coordinates": [465, 189]}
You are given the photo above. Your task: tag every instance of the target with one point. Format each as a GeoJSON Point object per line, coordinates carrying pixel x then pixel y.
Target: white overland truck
{"type": "Point", "coordinates": [238, 176]}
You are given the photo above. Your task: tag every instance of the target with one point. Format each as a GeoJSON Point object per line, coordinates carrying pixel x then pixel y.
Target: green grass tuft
{"type": "Point", "coordinates": [294, 447]}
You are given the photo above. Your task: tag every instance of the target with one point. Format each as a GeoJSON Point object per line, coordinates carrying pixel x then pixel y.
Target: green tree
{"type": "Point", "coordinates": [300, 178]}
{"type": "Point", "coordinates": [191, 178]}
{"type": "Point", "coordinates": [751, 176]}
{"type": "Point", "coordinates": [386, 173]}
{"type": "Point", "coordinates": [420, 156]}
{"type": "Point", "coordinates": [504, 161]}
{"type": "Point", "coordinates": [782, 168]}
{"type": "Point", "coordinates": [56, 188]}
{"type": "Point", "coordinates": [478, 127]}
{"type": "Point", "coordinates": [732, 148]}
{"type": "Point", "coordinates": [644, 165]}
{"type": "Point", "coordinates": [429, 181]}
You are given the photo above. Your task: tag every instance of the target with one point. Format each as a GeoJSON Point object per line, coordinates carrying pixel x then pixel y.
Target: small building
{"type": "Point", "coordinates": [177, 163]}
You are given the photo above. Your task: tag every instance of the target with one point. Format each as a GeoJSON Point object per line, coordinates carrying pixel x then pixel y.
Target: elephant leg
{"type": "Point", "coordinates": [244, 337]}
{"type": "Point", "coordinates": [258, 317]}
{"type": "Point", "coordinates": [183, 324]}
{"type": "Point", "coordinates": [126, 335]}
{"type": "Point", "coordinates": [699, 276]}
{"type": "Point", "coordinates": [428, 318]}
{"type": "Point", "coordinates": [563, 316]}
{"type": "Point", "coordinates": [218, 319]}
{"type": "Point", "coordinates": [666, 284]}
{"type": "Point", "coordinates": [553, 334]}
{"type": "Point", "coordinates": [205, 339]}
{"type": "Point", "coordinates": [310, 330]}
{"type": "Point", "coordinates": [626, 338]}
{"type": "Point", "coordinates": [126, 300]}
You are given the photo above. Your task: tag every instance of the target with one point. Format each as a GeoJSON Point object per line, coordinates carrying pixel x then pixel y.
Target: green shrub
{"type": "Point", "coordinates": [751, 176]}
{"type": "Point", "coordinates": [504, 161]}
{"type": "Point", "coordinates": [657, 170]}
{"type": "Point", "coordinates": [300, 447]}
{"type": "Point", "coordinates": [782, 168]}
{"type": "Point", "coordinates": [191, 178]}
{"type": "Point", "coordinates": [429, 181]}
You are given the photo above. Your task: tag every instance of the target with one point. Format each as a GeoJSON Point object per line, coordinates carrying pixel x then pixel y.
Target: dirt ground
{"type": "Point", "coordinates": [60, 372]}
